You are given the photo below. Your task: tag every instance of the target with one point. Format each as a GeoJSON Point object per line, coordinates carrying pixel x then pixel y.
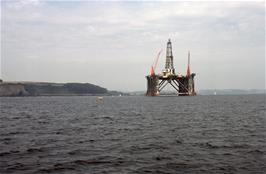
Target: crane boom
{"type": "Point", "coordinates": [188, 64]}
{"type": "Point", "coordinates": [156, 61]}
{"type": "Point", "coordinates": [153, 67]}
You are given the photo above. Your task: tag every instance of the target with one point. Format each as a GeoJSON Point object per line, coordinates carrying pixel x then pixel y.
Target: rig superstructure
{"type": "Point", "coordinates": [183, 84]}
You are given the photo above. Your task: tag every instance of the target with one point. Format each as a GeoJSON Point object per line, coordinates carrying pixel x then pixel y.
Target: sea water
{"type": "Point", "coordinates": [134, 134]}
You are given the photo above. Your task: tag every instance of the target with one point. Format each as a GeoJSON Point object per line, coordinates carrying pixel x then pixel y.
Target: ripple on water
{"type": "Point", "coordinates": [221, 134]}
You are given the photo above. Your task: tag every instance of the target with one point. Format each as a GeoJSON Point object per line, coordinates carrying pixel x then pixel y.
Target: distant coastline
{"type": "Point", "coordinates": [23, 89]}
{"type": "Point", "coordinates": [9, 89]}
{"type": "Point", "coordinates": [231, 91]}
{"type": "Point", "coordinates": [215, 92]}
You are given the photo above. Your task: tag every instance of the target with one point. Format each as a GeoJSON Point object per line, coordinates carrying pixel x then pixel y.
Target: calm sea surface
{"type": "Point", "coordinates": [202, 134]}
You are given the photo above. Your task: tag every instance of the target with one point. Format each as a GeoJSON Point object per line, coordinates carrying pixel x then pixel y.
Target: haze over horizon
{"type": "Point", "coordinates": [113, 44]}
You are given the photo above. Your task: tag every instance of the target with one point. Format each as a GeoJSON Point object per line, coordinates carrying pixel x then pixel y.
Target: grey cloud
{"type": "Point", "coordinates": [97, 40]}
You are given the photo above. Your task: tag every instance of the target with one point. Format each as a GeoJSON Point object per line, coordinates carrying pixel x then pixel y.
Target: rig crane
{"type": "Point", "coordinates": [153, 67]}
{"type": "Point", "coordinates": [188, 65]}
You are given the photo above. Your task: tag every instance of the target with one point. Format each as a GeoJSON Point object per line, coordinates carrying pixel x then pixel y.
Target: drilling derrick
{"type": "Point", "coordinates": [169, 64]}
{"type": "Point", "coordinates": [183, 85]}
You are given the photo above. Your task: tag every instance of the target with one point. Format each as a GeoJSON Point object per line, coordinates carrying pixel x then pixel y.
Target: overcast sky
{"type": "Point", "coordinates": [113, 44]}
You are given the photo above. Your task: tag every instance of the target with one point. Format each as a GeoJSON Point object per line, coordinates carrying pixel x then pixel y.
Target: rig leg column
{"type": "Point", "coordinates": [152, 86]}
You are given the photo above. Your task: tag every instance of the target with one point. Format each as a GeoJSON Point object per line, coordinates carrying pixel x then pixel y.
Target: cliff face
{"type": "Point", "coordinates": [12, 90]}
{"type": "Point", "coordinates": [39, 89]}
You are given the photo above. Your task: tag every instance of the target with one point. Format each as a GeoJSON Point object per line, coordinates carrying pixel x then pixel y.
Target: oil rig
{"type": "Point", "coordinates": [182, 84]}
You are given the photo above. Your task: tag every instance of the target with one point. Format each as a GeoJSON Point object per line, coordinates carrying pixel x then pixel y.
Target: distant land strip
{"type": "Point", "coordinates": [52, 89]}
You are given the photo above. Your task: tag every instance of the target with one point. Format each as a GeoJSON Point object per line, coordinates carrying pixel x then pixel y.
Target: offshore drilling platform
{"type": "Point", "coordinates": [182, 84]}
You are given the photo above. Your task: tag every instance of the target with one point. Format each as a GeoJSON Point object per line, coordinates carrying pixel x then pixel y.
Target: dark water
{"type": "Point", "coordinates": [202, 134]}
